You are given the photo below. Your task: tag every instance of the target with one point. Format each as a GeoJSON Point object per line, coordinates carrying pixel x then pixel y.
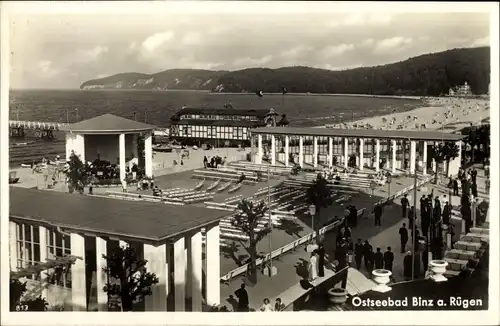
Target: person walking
{"type": "Point", "coordinates": [474, 189]}
{"type": "Point", "coordinates": [321, 260]}
{"type": "Point", "coordinates": [412, 215]}
{"type": "Point", "coordinates": [446, 213]}
{"type": "Point", "coordinates": [377, 211]}
{"type": "Point", "coordinates": [379, 259]}
{"type": "Point", "coordinates": [404, 204]}
{"type": "Point", "coordinates": [313, 267]}
{"type": "Point", "coordinates": [388, 259]}
{"type": "Point", "coordinates": [358, 253]}
{"type": "Point", "coordinates": [473, 175]}
{"type": "Point", "coordinates": [205, 161]}
{"type": "Point", "coordinates": [455, 187]}
{"type": "Point", "coordinates": [367, 254]}
{"type": "Point", "coordinates": [403, 236]}
{"type": "Point", "coordinates": [242, 296]}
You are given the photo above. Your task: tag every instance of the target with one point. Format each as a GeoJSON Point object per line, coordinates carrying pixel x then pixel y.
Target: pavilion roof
{"type": "Point", "coordinates": [108, 216]}
{"type": "Point", "coordinates": [109, 124]}
{"type": "Point", "coordinates": [359, 133]}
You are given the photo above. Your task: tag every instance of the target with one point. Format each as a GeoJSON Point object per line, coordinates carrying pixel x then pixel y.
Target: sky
{"type": "Point", "coordinates": [62, 50]}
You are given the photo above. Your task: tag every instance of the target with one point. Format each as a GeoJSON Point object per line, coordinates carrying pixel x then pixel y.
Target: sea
{"type": "Point", "coordinates": [157, 107]}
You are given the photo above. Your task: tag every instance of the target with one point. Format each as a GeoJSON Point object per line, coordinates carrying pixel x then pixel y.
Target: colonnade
{"type": "Point", "coordinates": [416, 146]}
{"type": "Point", "coordinates": [177, 262]}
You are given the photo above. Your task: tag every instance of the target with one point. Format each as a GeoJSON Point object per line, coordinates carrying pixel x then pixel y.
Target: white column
{"type": "Point", "coordinates": [315, 151]}
{"type": "Point", "coordinates": [301, 151]}
{"type": "Point", "coordinates": [424, 165]}
{"type": "Point", "coordinates": [13, 245]}
{"type": "Point", "coordinates": [273, 150]}
{"type": "Point", "coordinates": [180, 274]}
{"type": "Point", "coordinates": [454, 165]}
{"type": "Point", "coordinates": [70, 138]}
{"type": "Point", "coordinates": [148, 154]}
{"type": "Point", "coordinates": [196, 268]}
{"type": "Point", "coordinates": [330, 152]}
{"type": "Point", "coordinates": [434, 165]}
{"type": "Point", "coordinates": [287, 149]}
{"type": "Point", "coordinates": [101, 277]}
{"type": "Point", "coordinates": [361, 153]}
{"type": "Point", "coordinates": [377, 155]}
{"type": "Point", "coordinates": [42, 231]}
{"type": "Point", "coordinates": [346, 152]}
{"type": "Point", "coordinates": [135, 149]}
{"type": "Point", "coordinates": [394, 149]}
{"type": "Point", "coordinates": [78, 282]}
{"type": "Point", "coordinates": [259, 149]}
{"type": "Point", "coordinates": [79, 146]}
{"type": "Point", "coordinates": [413, 155]}
{"type": "Point", "coordinates": [213, 266]}
{"type": "Point", "coordinates": [121, 141]}
{"type": "Point", "coordinates": [157, 263]}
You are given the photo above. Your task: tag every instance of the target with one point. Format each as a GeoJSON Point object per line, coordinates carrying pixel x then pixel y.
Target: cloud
{"type": "Point", "coordinates": [191, 38]}
{"type": "Point", "coordinates": [368, 42]}
{"type": "Point", "coordinates": [392, 44]}
{"type": "Point", "coordinates": [336, 50]}
{"type": "Point", "coordinates": [153, 42]}
{"type": "Point", "coordinates": [93, 54]}
{"type": "Point", "coordinates": [248, 62]}
{"type": "Point", "coordinates": [362, 20]}
{"type": "Point", "coordinates": [46, 69]}
{"type": "Point", "coordinates": [485, 41]}
{"type": "Point", "coordinates": [296, 52]}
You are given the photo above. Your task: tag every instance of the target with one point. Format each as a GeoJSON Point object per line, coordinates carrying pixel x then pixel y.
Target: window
{"type": "Point", "coordinates": [28, 247]}
{"type": "Point", "coordinates": [236, 131]}
{"type": "Point", "coordinates": [59, 245]}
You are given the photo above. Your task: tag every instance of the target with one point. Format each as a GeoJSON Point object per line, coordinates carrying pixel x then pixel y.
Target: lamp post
{"type": "Point", "coordinates": [389, 181]}
{"type": "Point", "coordinates": [373, 186]}
{"type": "Point", "coordinates": [270, 224]}
{"type": "Point", "coordinates": [312, 211]}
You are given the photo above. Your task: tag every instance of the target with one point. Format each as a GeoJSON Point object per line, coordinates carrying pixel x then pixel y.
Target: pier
{"type": "Point", "coordinates": [44, 130]}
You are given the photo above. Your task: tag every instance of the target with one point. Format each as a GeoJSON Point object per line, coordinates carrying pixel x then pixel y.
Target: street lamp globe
{"type": "Point", "coordinates": [312, 209]}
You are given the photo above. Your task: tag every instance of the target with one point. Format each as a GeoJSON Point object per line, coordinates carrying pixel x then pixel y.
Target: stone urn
{"type": "Point", "coordinates": [438, 268]}
{"type": "Point", "coordinates": [337, 296]}
{"type": "Point", "coordinates": [381, 278]}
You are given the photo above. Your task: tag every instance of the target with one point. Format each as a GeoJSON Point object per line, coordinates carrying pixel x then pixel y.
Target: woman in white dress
{"type": "Point", "coordinates": [313, 267]}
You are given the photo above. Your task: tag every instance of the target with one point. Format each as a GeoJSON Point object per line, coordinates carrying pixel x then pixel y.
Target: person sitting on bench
{"type": "Point", "coordinates": [242, 177]}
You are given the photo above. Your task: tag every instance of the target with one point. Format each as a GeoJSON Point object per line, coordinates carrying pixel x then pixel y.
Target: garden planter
{"type": "Point", "coordinates": [438, 268]}
{"type": "Point", "coordinates": [337, 296]}
{"type": "Point", "coordinates": [382, 278]}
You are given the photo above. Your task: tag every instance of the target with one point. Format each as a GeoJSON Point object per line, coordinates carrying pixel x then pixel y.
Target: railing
{"type": "Point", "coordinates": [36, 125]}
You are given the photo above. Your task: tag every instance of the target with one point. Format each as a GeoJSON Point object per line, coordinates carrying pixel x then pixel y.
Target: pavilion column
{"type": "Point", "coordinates": [377, 155]}
{"type": "Point", "coordinates": [158, 264]}
{"type": "Point", "coordinates": [361, 153]}
{"type": "Point", "coordinates": [180, 274]}
{"type": "Point", "coordinates": [78, 282]}
{"type": "Point", "coordinates": [79, 146]}
{"type": "Point", "coordinates": [70, 138]}
{"type": "Point", "coordinates": [42, 231]}
{"type": "Point", "coordinates": [259, 149]}
{"type": "Point", "coordinates": [315, 151]}
{"type": "Point", "coordinates": [122, 156]}
{"type": "Point", "coordinates": [135, 148]}
{"type": "Point", "coordinates": [424, 165]}
{"type": "Point", "coordinates": [454, 164]}
{"type": "Point", "coordinates": [13, 245]}
{"type": "Point", "coordinates": [273, 150]}
{"type": "Point", "coordinates": [346, 152]}
{"type": "Point", "coordinates": [213, 266]}
{"type": "Point", "coordinates": [101, 277]}
{"type": "Point", "coordinates": [394, 151]}
{"type": "Point", "coordinates": [195, 267]}
{"type": "Point", "coordinates": [330, 152]}
{"type": "Point", "coordinates": [148, 154]}
{"type": "Point", "coordinates": [413, 155]}
{"type": "Point", "coordinates": [434, 164]}
{"type": "Point", "coordinates": [287, 150]}
{"type": "Point", "coordinates": [301, 151]}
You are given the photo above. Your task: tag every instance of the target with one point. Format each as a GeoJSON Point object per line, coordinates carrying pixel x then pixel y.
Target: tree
{"type": "Point", "coordinates": [17, 303]}
{"type": "Point", "coordinates": [445, 153]}
{"type": "Point", "coordinates": [319, 194]}
{"type": "Point", "coordinates": [76, 173]}
{"type": "Point", "coordinates": [247, 220]}
{"type": "Point", "coordinates": [133, 280]}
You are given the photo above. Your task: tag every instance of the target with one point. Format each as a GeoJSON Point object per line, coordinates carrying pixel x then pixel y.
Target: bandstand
{"type": "Point", "coordinates": [111, 138]}
{"type": "Point", "coordinates": [52, 228]}
{"type": "Point", "coordinates": [376, 149]}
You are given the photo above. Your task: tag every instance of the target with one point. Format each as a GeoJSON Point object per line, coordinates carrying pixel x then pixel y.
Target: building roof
{"type": "Point", "coordinates": [358, 133]}
{"type": "Point", "coordinates": [225, 123]}
{"type": "Point", "coordinates": [112, 217]}
{"type": "Point", "coordinates": [108, 124]}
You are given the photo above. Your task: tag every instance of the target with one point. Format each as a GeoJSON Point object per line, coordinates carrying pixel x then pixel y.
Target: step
{"type": "Point", "coordinates": [451, 273]}
{"type": "Point", "coordinates": [469, 246]}
{"type": "Point", "coordinates": [456, 264]}
{"type": "Point", "coordinates": [461, 254]}
{"type": "Point", "coordinates": [478, 238]}
{"type": "Point", "coordinates": [480, 230]}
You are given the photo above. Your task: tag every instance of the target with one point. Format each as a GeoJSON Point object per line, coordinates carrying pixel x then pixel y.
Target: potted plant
{"type": "Point", "coordinates": [382, 278]}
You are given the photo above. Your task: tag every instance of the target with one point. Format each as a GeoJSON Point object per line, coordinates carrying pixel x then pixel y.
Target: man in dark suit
{"type": "Point", "coordinates": [358, 253]}
{"type": "Point", "coordinates": [377, 211]}
{"type": "Point", "coordinates": [403, 235]}
{"type": "Point", "coordinates": [404, 204]}
{"type": "Point", "coordinates": [242, 296]}
{"type": "Point", "coordinates": [379, 259]}
{"type": "Point", "coordinates": [388, 259]}
{"type": "Point", "coordinates": [368, 254]}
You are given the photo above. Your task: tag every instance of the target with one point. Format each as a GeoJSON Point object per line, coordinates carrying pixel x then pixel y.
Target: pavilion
{"type": "Point", "coordinates": [109, 137]}
{"type": "Point", "coordinates": [55, 225]}
{"type": "Point", "coordinates": [367, 145]}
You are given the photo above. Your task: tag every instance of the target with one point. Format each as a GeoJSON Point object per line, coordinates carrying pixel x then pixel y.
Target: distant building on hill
{"type": "Point", "coordinates": [461, 90]}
